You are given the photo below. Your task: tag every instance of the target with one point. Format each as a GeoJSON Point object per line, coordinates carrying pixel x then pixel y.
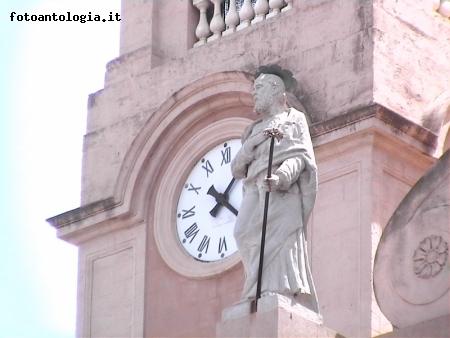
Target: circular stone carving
{"type": "Point", "coordinates": [430, 257]}
{"type": "Point", "coordinates": [413, 282]}
{"type": "Point", "coordinates": [411, 268]}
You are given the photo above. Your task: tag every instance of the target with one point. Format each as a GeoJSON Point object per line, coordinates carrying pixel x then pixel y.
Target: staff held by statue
{"type": "Point", "coordinates": [273, 134]}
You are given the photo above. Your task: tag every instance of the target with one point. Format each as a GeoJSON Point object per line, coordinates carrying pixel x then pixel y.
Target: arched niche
{"type": "Point", "coordinates": [201, 115]}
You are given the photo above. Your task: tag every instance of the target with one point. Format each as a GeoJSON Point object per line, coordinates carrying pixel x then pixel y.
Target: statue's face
{"type": "Point", "coordinates": [266, 93]}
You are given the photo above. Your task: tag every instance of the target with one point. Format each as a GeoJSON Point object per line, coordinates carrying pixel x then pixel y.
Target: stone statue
{"type": "Point", "coordinates": [293, 188]}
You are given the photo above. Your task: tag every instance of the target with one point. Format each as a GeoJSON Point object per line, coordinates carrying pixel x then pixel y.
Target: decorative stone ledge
{"type": "Point", "coordinates": [81, 213]}
{"type": "Point", "coordinates": [400, 123]}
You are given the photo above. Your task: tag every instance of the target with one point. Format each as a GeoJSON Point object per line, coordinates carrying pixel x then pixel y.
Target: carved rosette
{"type": "Point", "coordinates": [430, 257]}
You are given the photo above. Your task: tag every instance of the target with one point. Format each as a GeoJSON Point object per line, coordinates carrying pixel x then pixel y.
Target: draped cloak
{"type": "Point", "coordinates": [286, 268]}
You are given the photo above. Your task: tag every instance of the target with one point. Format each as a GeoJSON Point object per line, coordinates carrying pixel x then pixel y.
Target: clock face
{"type": "Point", "coordinates": [208, 205]}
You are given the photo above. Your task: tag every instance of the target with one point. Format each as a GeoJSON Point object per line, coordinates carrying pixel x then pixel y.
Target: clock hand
{"type": "Point", "coordinates": [227, 190]}
{"type": "Point", "coordinates": [221, 199]}
{"type": "Point", "coordinates": [216, 208]}
{"type": "Point", "coordinates": [230, 207]}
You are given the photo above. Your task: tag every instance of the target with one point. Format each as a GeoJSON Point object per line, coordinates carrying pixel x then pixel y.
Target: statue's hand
{"type": "Point", "coordinates": [272, 183]}
{"type": "Point", "coordinates": [274, 132]}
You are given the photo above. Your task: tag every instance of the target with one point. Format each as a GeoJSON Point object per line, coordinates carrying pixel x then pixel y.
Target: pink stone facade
{"type": "Point", "coordinates": [368, 73]}
{"type": "Point", "coordinates": [411, 53]}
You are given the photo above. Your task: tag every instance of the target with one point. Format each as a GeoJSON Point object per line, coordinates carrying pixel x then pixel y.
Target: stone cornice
{"type": "Point", "coordinates": [81, 213]}
{"type": "Point", "coordinates": [389, 117]}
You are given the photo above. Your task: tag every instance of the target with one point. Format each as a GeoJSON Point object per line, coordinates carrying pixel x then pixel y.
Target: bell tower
{"type": "Point", "coordinates": [180, 93]}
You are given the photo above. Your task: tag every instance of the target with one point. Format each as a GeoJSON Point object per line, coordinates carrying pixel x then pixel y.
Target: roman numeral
{"type": "Point", "coordinates": [192, 231]}
{"type": "Point", "coordinates": [204, 244]}
{"type": "Point", "coordinates": [192, 188]}
{"type": "Point", "coordinates": [188, 213]}
{"type": "Point", "coordinates": [208, 167]}
{"type": "Point", "coordinates": [226, 156]}
{"type": "Point", "coordinates": [222, 245]}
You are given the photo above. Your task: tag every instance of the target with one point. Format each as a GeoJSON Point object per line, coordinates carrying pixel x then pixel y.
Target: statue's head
{"type": "Point", "coordinates": [269, 93]}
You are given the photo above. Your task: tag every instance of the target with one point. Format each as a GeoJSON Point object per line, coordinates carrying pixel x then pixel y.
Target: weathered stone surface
{"type": "Point", "coordinates": [365, 168]}
{"type": "Point", "coordinates": [395, 121]}
{"type": "Point", "coordinates": [412, 270]}
{"type": "Point", "coordinates": [76, 215]}
{"type": "Point", "coordinates": [411, 53]}
{"type": "Point", "coordinates": [276, 317]}
{"type": "Point", "coordinates": [110, 297]}
{"type": "Point", "coordinates": [344, 61]}
{"type": "Point", "coordinates": [323, 44]}
{"type": "Point", "coordinates": [346, 58]}
{"type": "Point", "coordinates": [433, 328]}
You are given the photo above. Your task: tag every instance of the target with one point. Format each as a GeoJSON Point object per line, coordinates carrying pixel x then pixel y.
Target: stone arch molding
{"type": "Point", "coordinates": [201, 115]}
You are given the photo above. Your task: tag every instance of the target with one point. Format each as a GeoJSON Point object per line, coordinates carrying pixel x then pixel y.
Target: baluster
{"type": "Point", "coordinates": [444, 9]}
{"type": "Point", "coordinates": [202, 31]}
{"type": "Point", "coordinates": [232, 18]}
{"type": "Point", "coordinates": [217, 24]}
{"type": "Point", "coordinates": [246, 14]}
{"type": "Point", "coordinates": [288, 5]}
{"type": "Point", "coordinates": [275, 6]}
{"type": "Point", "coordinates": [436, 4]}
{"type": "Point", "coordinates": [261, 9]}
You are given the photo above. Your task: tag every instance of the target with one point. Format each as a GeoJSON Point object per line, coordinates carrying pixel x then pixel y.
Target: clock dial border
{"type": "Point", "coordinates": [198, 224]}
{"type": "Point", "coordinates": [168, 193]}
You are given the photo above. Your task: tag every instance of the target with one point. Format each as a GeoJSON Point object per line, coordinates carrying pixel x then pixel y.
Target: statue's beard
{"type": "Point", "coordinates": [262, 108]}
{"type": "Point", "coordinates": [267, 102]}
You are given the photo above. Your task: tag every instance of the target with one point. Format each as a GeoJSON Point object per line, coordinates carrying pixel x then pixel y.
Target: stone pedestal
{"type": "Point", "coordinates": [277, 316]}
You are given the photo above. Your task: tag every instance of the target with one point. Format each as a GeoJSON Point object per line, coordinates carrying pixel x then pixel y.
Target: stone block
{"type": "Point", "coordinates": [277, 316]}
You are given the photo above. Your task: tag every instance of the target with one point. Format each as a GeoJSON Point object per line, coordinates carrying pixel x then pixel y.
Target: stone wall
{"type": "Point", "coordinates": [411, 58]}
{"type": "Point", "coordinates": [350, 57]}
{"type": "Point", "coordinates": [330, 55]}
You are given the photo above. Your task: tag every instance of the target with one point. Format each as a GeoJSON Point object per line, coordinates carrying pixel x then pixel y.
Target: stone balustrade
{"type": "Point", "coordinates": [442, 7]}
{"type": "Point", "coordinates": [223, 17]}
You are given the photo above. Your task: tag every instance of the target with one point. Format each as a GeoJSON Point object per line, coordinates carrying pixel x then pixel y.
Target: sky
{"type": "Point", "coordinates": [47, 70]}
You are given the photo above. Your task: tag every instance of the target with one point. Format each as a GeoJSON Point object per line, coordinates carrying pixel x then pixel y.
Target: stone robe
{"type": "Point", "coordinates": [286, 268]}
